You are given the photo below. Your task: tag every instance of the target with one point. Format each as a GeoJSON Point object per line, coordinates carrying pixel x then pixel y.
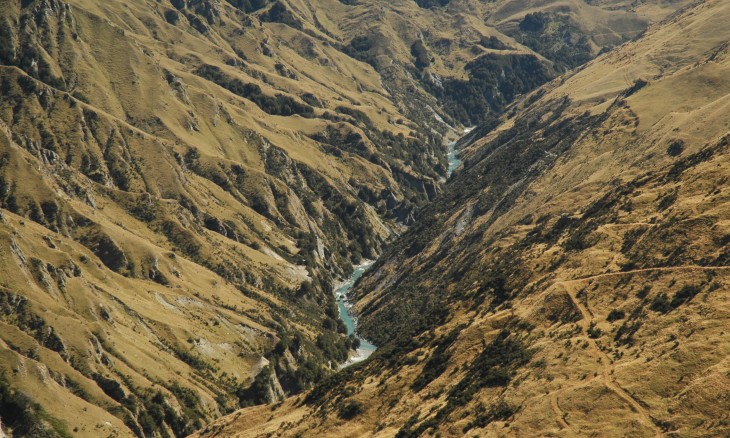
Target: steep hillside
{"type": "Point", "coordinates": [572, 278]}
{"type": "Point", "coordinates": [181, 182]}
{"type": "Point", "coordinates": [466, 60]}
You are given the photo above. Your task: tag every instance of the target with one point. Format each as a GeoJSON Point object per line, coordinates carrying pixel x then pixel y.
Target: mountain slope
{"type": "Point", "coordinates": [572, 278]}
{"type": "Point", "coordinates": [182, 182]}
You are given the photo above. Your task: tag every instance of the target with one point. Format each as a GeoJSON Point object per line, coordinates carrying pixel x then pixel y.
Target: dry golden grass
{"type": "Point", "coordinates": [102, 144]}
{"type": "Point", "coordinates": [672, 379]}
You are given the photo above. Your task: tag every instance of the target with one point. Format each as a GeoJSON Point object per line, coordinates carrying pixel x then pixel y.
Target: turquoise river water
{"type": "Point", "coordinates": [366, 348]}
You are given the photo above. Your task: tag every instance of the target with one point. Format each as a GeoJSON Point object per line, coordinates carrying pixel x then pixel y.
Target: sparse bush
{"type": "Point", "coordinates": [500, 411]}
{"type": "Point", "coordinates": [643, 292]}
{"type": "Point", "coordinates": [593, 331]}
{"type": "Point", "coordinates": [675, 148]}
{"type": "Point", "coordinates": [279, 13]}
{"type": "Point", "coordinates": [351, 409]}
{"type": "Point", "coordinates": [661, 303]}
{"type": "Point", "coordinates": [419, 51]}
{"type": "Point", "coordinates": [684, 295]}
{"type": "Point", "coordinates": [615, 315]}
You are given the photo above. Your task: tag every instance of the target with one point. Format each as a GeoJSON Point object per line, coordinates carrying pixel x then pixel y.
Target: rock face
{"type": "Point", "coordinates": [572, 278]}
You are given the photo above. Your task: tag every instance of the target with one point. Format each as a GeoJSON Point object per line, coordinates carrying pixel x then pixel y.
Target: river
{"type": "Point", "coordinates": [344, 306]}
{"type": "Point", "coordinates": [453, 157]}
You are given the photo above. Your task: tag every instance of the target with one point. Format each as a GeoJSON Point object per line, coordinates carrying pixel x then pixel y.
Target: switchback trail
{"type": "Point", "coordinates": [608, 369]}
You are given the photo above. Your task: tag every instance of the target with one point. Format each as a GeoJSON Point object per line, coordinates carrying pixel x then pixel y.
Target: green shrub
{"type": "Point", "coordinates": [615, 315]}
{"type": "Point", "coordinates": [661, 303]}
{"type": "Point", "coordinates": [500, 411]}
{"type": "Point", "coordinates": [675, 148]}
{"type": "Point", "coordinates": [279, 13]}
{"type": "Point", "coordinates": [494, 81]}
{"type": "Point", "coordinates": [419, 51]}
{"type": "Point", "coordinates": [278, 105]}
{"type": "Point", "coordinates": [684, 295]}
{"type": "Point", "coordinates": [351, 409]}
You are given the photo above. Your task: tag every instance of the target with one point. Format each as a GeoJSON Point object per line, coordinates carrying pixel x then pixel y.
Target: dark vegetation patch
{"type": "Point", "coordinates": [416, 312]}
{"type": "Point", "coordinates": [685, 295]}
{"type": "Point", "coordinates": [16, 310]}
{"type": "Point", "coordinates": [494, 367]}
{"type": "Point", "coordinates": [663, 304]}
{"type": "Point", "coordinates": [556, 37]}
{"type": "Point", "coordinates": [615, 315]}
{"type": "Point", "coordinates": [106, 249]}
{"type": "Point", "coordinates": [636, 87]}
{"type": "Point", "coordinates": [492, 42]}
{"type": "Point", "coordinates": [499, 411]}
{"type": "Point", "coordinates": [331, 389]}
{"type": "Point", "coordinates": [438, 362]}
{"type": "Point", "coordinates": [25, 417]}
{"type": "Point", "coordinates": [427, 4]}
{"type": "Point", "coordinates": [704, 155]}
{"type": "Point", "coordinates": [258, 392]}
{"type": "Point", "coordinates": [279, 13]}
{"type": "Point", "coordinates": [624, 336]}
{"type": "Point", "coordinates": [675, 148]}
{"type": "Point", "coordinates": [420, 53]}
{"type": "Point", "coordinates": [148, 412]}
{"type": "Point", "coordinates": [560, 308]}
{"type": "Point", "coordinates": [248, 6]}
{"type": "Point", "coordinates": [351, 409]}
{"type": "Point", "coordinates": [494, 81]}
{"type": "Point", "coordinates": [28, 41]}
{"type": "Point", "coordinates": [278, 105]}
{"type": "Point", "coordinates": [363, 48]}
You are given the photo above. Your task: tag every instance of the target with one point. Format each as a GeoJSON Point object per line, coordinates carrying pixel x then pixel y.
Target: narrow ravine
{"type": "Point", "coordinates": [344, 306]}
{"type": "Point", "coordinates": [453, 157]}
{"type": "Point", "coordinates": [366, 348]}
{"type": "Point", "coordinates": [452, 154]}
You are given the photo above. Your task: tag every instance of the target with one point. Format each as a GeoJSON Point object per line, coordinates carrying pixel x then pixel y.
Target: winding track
{"type": "Point", "coordinates": [570, 287]}
{"type": "Point", "coordinates": [659, 269]}
{"type": "Point", "coordinates": [562, 422]}
{"type": "Point", "coordinates": [607, 373]}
